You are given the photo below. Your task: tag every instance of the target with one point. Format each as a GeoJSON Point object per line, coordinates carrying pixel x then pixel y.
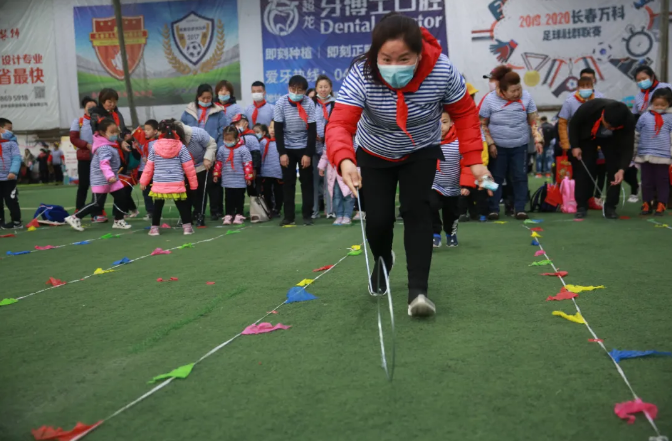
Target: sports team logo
{"type": "Point", "coordinates": [281, 17]}
{"type": "Point", "coordinates": [105, 43]}
{"type": "Point", "coordinates": [193, 36]}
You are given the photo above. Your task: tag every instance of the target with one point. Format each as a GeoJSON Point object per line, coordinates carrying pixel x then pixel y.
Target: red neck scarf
{"type": "Point", "coordinates": [257, 106]}
{"type": "Point", "coordinates": [87, 116]}
{"type": "Point", "coordinates": [596, 126]}
{"type": "Point", "coordinates": [516, 101]}
{"type": "Point", "coordinates": [450, 137]}
{"type": "Point", "coordinates": [232, 152]}
{"type": "Point", "coordinates": [249, 131]}
{"type": "Point", "coordinates": [659, 121]}
{"type": "Point", "coordinates": [268, 142]}
{"type": "Point", "coordinates": [204, 114]}
{"type": "Point", "coordinates": [582, 100]}
{"type": "Point", "coordinates": [324, 104]}
{"type": "Point", "coordinates": [115, 116]}
{"type": "Point", "coordinates": [646, 92]}
{"type": "Point", "coordinates": [302, 112]}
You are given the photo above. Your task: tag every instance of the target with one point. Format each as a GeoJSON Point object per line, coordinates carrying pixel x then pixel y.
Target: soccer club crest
{"type": "Point", "coordinates": [105, 43]}
{"type": "Point", "coordinates": [193, 36]}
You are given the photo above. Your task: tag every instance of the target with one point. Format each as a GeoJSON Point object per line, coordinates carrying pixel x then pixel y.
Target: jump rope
{"type": "Point", "coordinates": [599, 190]}
{"type": "Point", "coordinates": [386, 363]}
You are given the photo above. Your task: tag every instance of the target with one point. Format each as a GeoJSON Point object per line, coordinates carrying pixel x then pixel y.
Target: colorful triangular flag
{"type": "Point", "coordinates": [7, 302]}
{"type": "Point", "coordinates": [577, 288]}
{"type": "Point", "coordinates": [49, 433]}
{"type": "Point", "coordinates": [540, 263]}
{"type": "Point", "coordinates": [263, 328]}
{"type": "Point", "coordinates": [297, 294]}
{"type": "Point", "coordinates": [305, 282]}
{"type": "Point", "coordinates": [122, 261]}
{"type": "Point", "coordinates": [181, 372]}
{"type": "Point", "coordinates": [55, 282]}
{"type": "Point", "coordinates": [535, 234]}
{"type": "Point", "coordinates": [576, 318]}
{"type": "Point", "coordinates": [101, 271]}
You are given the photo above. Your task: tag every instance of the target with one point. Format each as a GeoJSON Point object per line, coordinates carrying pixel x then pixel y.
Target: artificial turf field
{"type": "Point", "coordinates": [494, 364]}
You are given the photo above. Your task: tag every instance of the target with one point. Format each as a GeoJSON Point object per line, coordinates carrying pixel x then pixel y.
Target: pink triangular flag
{"type": "Point", "coordinates": [160, 251]}
{"type": "Point", "coordinates": [49, 433]}
{"type": "Point", "coordinates": [209, 283]}
{"type": "Point", "coordinates": [271, 312]}
{"type": "Point", "coordinates": [577, 220]}
{"type": "Point", "coordinates": [627, 409]}
{"type": "Point", "coordinates": [562, 295]}
{"type": "Point", "coordinates": [46, 247]}
{"type": "Point", "coordinates": [165, 226]}
{"type": "Point", "coordinates": [539, 253]}
{"type": "Point", "coordinates": [263, 328]}
{"type": "Point", "coordinates": [173, 279]}
{"type": "Point", "coordinates": [159, 279]}
{"type": "Point", "coordinates": [55, 282]}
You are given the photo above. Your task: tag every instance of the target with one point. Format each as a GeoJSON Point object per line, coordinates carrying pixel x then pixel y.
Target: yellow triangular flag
{"type": "Point", "coordinates": [288, 226]}
{"type": "Point", "coordinates": [31, 229]}
{"type": "Point", "coordinates": [101, 271]}
{"type": "Point", "coordinates": [577, 288]}
{"type": "Point", "coordinates": [305, 282]}
{"type": "Point", "coordinates": [355, 247]}
{"type": "Point", "coordinates": [576, 318]}
{"type": "Point", "coordinates": [499, 222]}
{"type": "Point", "coordinates": [535, 234]}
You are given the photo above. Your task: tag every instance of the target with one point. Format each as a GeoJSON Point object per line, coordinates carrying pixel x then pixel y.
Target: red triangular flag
{"type": "Point", "coordinates": [536, 229]}
{"type": "Point", "coordinates": [562, 295]}
{"type": "Point", "coordinates": [558, 274]}
{"type": "Point", "coordinates": [49, 433]}
{"type": "Point", "coordinates": [165, 226]}
{"type": "Point", "coordinates": [55, 282]}
{"type": "Point", "coordinates": [33, 223]}
{"type": "Point", "coordinates": [4, 236]}
{"type": "Point", "coordinates": [324, 268]}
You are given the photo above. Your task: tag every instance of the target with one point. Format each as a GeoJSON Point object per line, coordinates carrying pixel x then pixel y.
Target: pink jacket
{"type": "Point", "coordinates": [332, 176]}
{"type": "Point", "coordinates": [168, 163]}
{"type": "Point", "coordinates": [99, 185]}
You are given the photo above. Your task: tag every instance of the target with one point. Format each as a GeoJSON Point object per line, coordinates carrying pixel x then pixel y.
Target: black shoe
{"type": "Point", "coordinates": [610, 213]}
{"type": "Point", "coordinates": [286, 222]}
{"type": "Point", "coordinates": [464, 218]}
{"type": "Point", "coordinates": [381, 288]}
{"type": "Point", "coordinates": [11, 225]}
{"type": "Point", "coordinates": [580, 213]}
{"type": "Point", "coordinates": [522, 216]}
{"type": "Point", "coordinates": [200, 221]}
{"type": "Point", "coordinates": [308, 222]}
{"type": "Point", "coordinates": [493, 216]}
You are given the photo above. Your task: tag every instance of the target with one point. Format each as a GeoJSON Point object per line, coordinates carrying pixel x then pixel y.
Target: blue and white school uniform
{"type": "Point", "coordinates": [264, 114]}
{"type": "Point", "coordinates": [643, 99]}
{"type": "Point", "coordinates": [655, 144]}
{"type": "Point", "coordinates": [10, 162]}
{"type": "Point", "coordinates": [230, 110]}
{"type": "Point", "coordinates": [270, 160]}
{"type": "Point", "coordinates": [198, 144]}
{"type": "Point", "coordinates": [295, 129]}
{"type": "Point", "coordinates": [509, 126]}
{"type": "Point", "coordinates": [447, 177]}
{"type": "Point", "coordinates": [233, 172]}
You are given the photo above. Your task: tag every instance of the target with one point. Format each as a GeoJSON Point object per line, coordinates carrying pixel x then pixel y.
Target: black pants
{"type": "Point", "coordinates": [130, 203]}
{"type": "Point", "coordinates": [630, 176]}
{"type": "Point", "coordinates": [184, 207]}
{"type": "Point", "coordinates": [234, 200]}
{"type": "Point", "coordinates": [58, 174]}
{"type": "Point", "coordinates": [273, 193]}
{"type": "Point", "coordinates": [601, 176]}
{"type": "Point", "coordinates": [289, 187]}
{"type": "Point", "coordinates": [584, 184]}
{"type": "Point", "coordinates": [44, 175]}
{"type": "Point", "coordinates": [120, 204]}
{"type": "Point", "coordinates": [10, 195]}
{"type": "Point", "coordinates": [475, 204]}
{"type": "Point", "coordinates": [84, 172]}
{"type": "Point", "coordinates": [415, 177]}
{"type": "Point", "coordinates": [195, 197]}
{"type": "Point", "coordinates": [215, 196]}
{"type": "Point", "coordinates": [449, 208]}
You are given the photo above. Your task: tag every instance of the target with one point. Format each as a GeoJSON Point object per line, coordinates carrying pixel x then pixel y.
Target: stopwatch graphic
{"type": "Point", "coordinates": [638, 43]}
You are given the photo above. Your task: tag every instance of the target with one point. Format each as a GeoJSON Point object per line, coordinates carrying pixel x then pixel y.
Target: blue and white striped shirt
{"type": "Point", "coordinates": [264, 115]}
{"type": "Point", "coordinates": [167, 170]}
{"type": "Point", "coordinates": [295, 130]}
{"type": "Point", "coordinates": [508, 120]}
{"type": "Point", "coordinates": [230, 112]}
{"type": "Point", "coordinates": [10, 160]}
{"type": "Point", "coordinates": [270, 165]}
{"type": "Point", "coordinates": [143, 159]}
{"type": "Point", "coordinates": [233, 177]}
{"type": "Point", "coordinates": [104, 152]}
{"type": "Point", "coordinates": [251, 142]}
{"type": "Point", "coordinates": [639, 99]}
{"type": "Point", "coordinates": [85, 131]}
{"type": "Point", "coordinates": [447, 179]}
{"type": "Point", "coordinates": [377, 130]}
{"type": "Point", "coordinates": [650, 143]}
{"type": "Point", "coordinates": [198, 144]}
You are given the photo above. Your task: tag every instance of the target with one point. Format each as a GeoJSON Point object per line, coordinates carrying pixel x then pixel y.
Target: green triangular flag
{"type": "Point", "coordinates": [653, 221]}
{"type": "Point", "coordinates": [107, 236]}
{"type": "Point", "coordinates": [5, 302]}
{"type": "Point", "coordinates": [186, 245]}
{"type": "Point", "coordinates": [181, 372]}
{"type": "Point", "coordinates": [232, 232]}
{"type": "Point", "coordinates": [355, 253]}
{"type": "Point", "coordinates": [540, 263]}
{"type": "Point", "coordinates": [529, 221]}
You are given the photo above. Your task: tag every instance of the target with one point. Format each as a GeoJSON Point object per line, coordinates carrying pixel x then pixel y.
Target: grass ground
{"type": "Point", "coordinates": [493, 364]}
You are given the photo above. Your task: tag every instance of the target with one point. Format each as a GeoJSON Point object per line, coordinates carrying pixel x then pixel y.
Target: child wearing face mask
{"type": "Point", "coordinates": [251, 141]}
{"type": "Point", "coordinates": [271, 172]}
{"type": "Point", "coordinates": [654, 151]}
{"type": "Point", "coordinates": [226, 100]}
{"type": "Point", "coordinates": [146, 139]}
{"type": "Point", "coordinates": [105, 164]}
{"type": "Point", "coordinates": [10, 165]}
{"type": "Point", "coordinates": [259, 112]}
{"type": "Point", "coordinates": [234, 168]}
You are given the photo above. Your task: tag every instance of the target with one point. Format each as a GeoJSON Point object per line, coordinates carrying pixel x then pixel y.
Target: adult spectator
{"type": "Point", "coordinates": [81, 137]}
{"type": "Point", "coordinates": [227, 101]}
{"type": "Point", "coordinates": [56, 160]}
{"type": "Point", "coordinates": [647, 83]}
{"type": "Point", "coordinates": [259, 112]}
{"type": "Point", "coordinates": [202, 114]}
{"type": "Point", "coordinates": [590, 73]}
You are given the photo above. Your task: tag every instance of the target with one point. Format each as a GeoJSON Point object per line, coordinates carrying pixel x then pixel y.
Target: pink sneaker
{"type": "Point", "coordinates": [187, 229]}
{"type": "Point", "coordinates": [99, 219]}
{"type": "Point", "coordinates": [154, 231]}
{"type": "Point", "coordinates": [346, 221]}
{"type": "Point", "coordinates": [227, 220]}
{"type": "Point", "coordinates": [239, 219]}
{"type": "Point", "coordinates": [338, 221]}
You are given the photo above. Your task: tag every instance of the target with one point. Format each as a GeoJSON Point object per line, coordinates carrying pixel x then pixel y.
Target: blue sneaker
{"type": "Point", "coordinates": [483, 219]}
{"type": "Point", "coordinates": [451, 241]}
{"type": "Point", "coordinates": [437, 240]}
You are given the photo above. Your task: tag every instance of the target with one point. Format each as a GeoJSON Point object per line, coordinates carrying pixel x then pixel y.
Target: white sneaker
{"type": "Point", "coordinates": [421, 306]}
{"type": "Point", "coordinates": [74, 222]}
{"type": "Point", "coordinates": [633, 199]}
{"type": "Point", "coordinates": [147, 217]}
{"type": "Point", "coordinates": [121, 224]}
{"type": "Point", "coordinates": [133, 213]}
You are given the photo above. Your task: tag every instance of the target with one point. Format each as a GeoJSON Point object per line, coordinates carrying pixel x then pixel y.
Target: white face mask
{"type": "Point", "coordinates": [258, 96]}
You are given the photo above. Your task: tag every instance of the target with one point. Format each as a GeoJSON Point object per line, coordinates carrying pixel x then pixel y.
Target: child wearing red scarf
{"type": "Point", "coordinates": [234, 169]}
{"type": "Point", "coordinates": [271, 171]}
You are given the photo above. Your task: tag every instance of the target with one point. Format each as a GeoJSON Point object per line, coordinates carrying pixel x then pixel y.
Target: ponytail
{"type": "Point", "coordinates": [169, 128]}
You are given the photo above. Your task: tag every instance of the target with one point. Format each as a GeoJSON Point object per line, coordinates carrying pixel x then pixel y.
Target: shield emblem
{"type": "Point", "coordinates": [193, 36]}
{"type": "Point", "coordinates": [105, 42]}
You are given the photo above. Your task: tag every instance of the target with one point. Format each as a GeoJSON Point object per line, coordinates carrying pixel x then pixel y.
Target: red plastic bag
{"type": "Point", "coordinates": [563, 168]}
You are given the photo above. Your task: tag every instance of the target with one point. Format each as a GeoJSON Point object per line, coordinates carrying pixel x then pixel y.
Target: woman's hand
{"type": "Point", "coordinates": [305, 161]}
{"type": "Point", "coordinates": [492, 150]}
{"type": "Point", "coordinates": [539, 147]}
{"type": "Point", "coordinates": [207, 164]}
{"type": "Point", "coordinates": [112, 180]}
{"type": "Point", "coordinates": [576, 152]}
{"type": "Point", "coordinates": [618, 177]}
{"type": "Point", "coordinates": [143, 187]}
{"type": "Point", "coordinates": [351, 176]}
{"type": "Point", "coordinates": [464, 191]}
{"type": "Point", "coordinates": [11, 176]}
{"type": "Point", "coordinates": [321, 172]}
{"type": "Point", "coordinates": [125, 146]}
{"type": "Point", "coordinates": [284, 161]}
{"type": "Point", "coordinates": [480, 171]}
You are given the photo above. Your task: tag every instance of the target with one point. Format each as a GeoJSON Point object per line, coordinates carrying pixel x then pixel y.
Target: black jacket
{"type": "Point", "coordinates": [99, 112]}
{"type": "Point", "coordinates": [621, 143]}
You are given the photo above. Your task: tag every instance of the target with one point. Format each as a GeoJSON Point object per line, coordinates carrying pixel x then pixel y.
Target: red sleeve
{"type": "Point", "coordinates": [218, 169]}
{"type": "Point", "coordinates": [467, 178]}
{"type": "Point", "coordinates": [76, 141]}
{"type": "Point", "coordinates": [340, 130]}
{"type": "Point", "coordinates": [468, 126]}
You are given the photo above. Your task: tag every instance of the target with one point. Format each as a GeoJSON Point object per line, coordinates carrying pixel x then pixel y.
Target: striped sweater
{"type": "Point", "coordinates": [447, 177]}
{"type": "Point", "coordinates": [654, 142]}
{"type": "Point", "coordinates": [10, 157]}
{"type": "Point", "coordinates": [168, 163]}
{"type": "Point", "coordinates": [234, 166]}
{"type": "Point", "coordinates": [508, 124]}
{"type": "Point", "coordinates": [270, 159]}
{"type": "Point", "coordinates": [105, 164]}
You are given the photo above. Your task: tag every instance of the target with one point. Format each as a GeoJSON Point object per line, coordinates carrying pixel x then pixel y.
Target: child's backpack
{"type": "Point", "coordinates": [51, 214]}
{"type": "Point", "coordinates": [538, 201]}
{"type": "Point", "coordinates": [259, 212]}
{"type": "Point", "coordinates": [568, 201]}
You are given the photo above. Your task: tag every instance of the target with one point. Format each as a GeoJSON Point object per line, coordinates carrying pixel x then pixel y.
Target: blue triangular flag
{"type": "Point", "coordinates": [298, 294]}
{"type": "Point", "coordinates": [622, 355]}
{"type": "Point", "coordinates": [84, 242]}
{"type": "Point", "coordinates": [534, 243]}
{"type": "Point", "coordinates": [148, 228]}
{"type": "Point", "coordinates": [17, 253]}
{"type": "Point", "coordinates": [122, 261]}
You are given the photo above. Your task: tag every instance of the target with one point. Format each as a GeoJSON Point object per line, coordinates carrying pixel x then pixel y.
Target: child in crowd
{"type": "Point", "coordinates": [473, 201]}
{"type": "Point", "coordinates": [271, 172]}
{"type": "Point", "coordinates": [296, 134]}
{"type": "Point", "coordinates": [10, 165]}
{"type": "Point", "coordinates": [147, 139]}
{"type": "Point", "coordinates": [654, 151]}
{"type": "Point", "coordinates": [251, 141]}
{"type": "Point", "coordinates": [234, 168]}
{"type": "Point", "coordinates": [105, 164]}
{"type": "Point", "coordinates": [128, 171]}
{"type": "Point", "coordinates": [445, 193]}
{"type": "Point", "coordinates": [341, 196]}
{"type": "Point", "coordinates": [168, 165]}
